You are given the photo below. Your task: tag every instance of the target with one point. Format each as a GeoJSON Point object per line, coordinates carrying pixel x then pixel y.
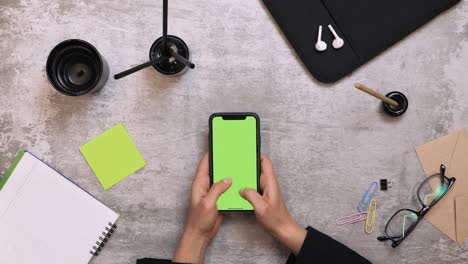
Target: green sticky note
{"type": "Point", "coordinates": [112, 156]}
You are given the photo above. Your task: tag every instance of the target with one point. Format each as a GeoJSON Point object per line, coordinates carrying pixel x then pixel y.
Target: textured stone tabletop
{"type": "Point", "coordinates": [327, 142]}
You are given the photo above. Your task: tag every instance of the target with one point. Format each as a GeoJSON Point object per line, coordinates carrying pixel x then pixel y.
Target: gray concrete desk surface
{"type": "Point", "coordinates": [327, 142]}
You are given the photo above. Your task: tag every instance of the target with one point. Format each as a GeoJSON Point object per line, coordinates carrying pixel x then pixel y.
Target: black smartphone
{"type": "Point", "coordinates": [235, 153]}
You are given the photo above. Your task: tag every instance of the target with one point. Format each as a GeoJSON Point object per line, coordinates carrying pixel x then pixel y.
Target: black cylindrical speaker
{"type": "Point", "coordinates": [75, 67]}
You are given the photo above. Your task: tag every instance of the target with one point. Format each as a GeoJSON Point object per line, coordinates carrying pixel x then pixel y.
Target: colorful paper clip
{"type": "Point", "coordinates": [370, 220]}
{"type": "Point", "coordinates": [351, 219]}
{"type": "Point", "coordinates": [367, 197]}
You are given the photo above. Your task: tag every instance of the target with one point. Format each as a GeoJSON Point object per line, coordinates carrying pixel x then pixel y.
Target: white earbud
{"type": "Point", "coordinates": [320, 45]}
{"type": "Point", "coordinates": [337, 42]}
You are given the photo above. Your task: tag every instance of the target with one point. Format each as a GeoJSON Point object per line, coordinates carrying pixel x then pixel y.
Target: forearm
{"type": "Point", "coordinates": [191, 248]}
{"type": "Point", "coordinates": [292, 235]}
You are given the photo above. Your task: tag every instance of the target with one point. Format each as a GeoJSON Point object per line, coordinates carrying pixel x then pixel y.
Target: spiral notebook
{"type": "Point", "coordinates": [46, 218]}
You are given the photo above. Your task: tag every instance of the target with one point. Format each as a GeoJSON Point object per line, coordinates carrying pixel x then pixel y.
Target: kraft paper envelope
{"type": "Point", "coordinates": [452, 151]}
{"type": "Point", "coordinates": [461, 218]}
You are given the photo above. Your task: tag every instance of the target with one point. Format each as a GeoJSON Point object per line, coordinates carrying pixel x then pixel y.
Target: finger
{"type": "Point", "coordinates": [201, 182]}
{"type": "Point", "coordinates": [267, 177]}
{"type": "Point", "coordinates": [217, 189]}
{"type": "Point", "coordinates": [255, 199]}
{"type": "Point", "coordinates": [203, 169]}
{"type": "Point", "coordinates": [267, 165]}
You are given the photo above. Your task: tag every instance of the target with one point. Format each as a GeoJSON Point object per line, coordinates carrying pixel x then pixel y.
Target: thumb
{"type": "Point", "coordinates": [254, 198]}
{"type": "Point", "coordinates": [217, 189]}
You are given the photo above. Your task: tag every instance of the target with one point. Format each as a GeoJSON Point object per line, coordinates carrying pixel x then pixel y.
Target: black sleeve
{"type": "Point", "coordinates": [153, 261]}
{"type": "Point", "coordinates": [317, 248]}
{"type": "Point", "coordinates": [320, 248]}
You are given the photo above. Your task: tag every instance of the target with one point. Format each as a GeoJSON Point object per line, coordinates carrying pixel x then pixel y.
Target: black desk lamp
{"type": "Point", "coordinates": [168, 55]}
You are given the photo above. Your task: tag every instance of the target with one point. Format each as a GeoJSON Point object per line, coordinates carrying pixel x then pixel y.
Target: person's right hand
{"type": "Point", "coordinates": [271, 211]}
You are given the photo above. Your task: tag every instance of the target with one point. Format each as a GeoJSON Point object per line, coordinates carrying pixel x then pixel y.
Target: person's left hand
{"type": "Point", "coordinates": [203, 218]}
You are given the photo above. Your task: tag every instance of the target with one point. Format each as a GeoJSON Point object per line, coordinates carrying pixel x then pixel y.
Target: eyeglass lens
{"type": "Point", "coordinates": [401, 223]}
{"type": "Point", "coordinates": [432, 189]}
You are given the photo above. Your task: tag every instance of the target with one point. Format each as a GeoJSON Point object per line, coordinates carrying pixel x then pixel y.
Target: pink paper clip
{"type": "Point", "coordinates": [351, 219]}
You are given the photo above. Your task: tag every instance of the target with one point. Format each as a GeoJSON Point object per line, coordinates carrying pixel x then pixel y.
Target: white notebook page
{"type": "Point", "coordinates": [45, 218]}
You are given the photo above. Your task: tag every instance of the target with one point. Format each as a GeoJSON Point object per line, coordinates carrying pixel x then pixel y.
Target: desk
{"type": "Point", "coordinates": [327, 142]}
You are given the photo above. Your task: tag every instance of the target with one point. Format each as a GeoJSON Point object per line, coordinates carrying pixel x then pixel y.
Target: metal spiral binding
{"type": "Point", "coordinates": [102, 240]}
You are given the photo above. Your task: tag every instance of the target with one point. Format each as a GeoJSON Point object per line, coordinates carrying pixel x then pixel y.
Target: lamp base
{"type": "Point", "coordinates": [170, 66]}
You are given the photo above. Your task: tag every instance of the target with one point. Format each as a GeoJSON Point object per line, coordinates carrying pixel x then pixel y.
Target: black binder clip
{"type": "Point", "coordinates": [385, 184]}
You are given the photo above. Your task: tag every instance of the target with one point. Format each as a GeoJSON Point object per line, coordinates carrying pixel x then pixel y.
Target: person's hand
{"type": "Point", "coordinates": [203, 218]}
{"type": "Point", "coordinates": [271, 210]}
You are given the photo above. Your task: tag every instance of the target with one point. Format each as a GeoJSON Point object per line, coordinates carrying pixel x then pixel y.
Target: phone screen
{"type": "Point", "coordinates": [234, 155]}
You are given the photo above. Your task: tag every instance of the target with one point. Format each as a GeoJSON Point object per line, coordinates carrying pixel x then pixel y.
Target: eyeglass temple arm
{"type": "Point", "coordinates": [385, 238]}
{"type": "Point", "coordinates": [442, 169]}
{"type": "Point", "coordinates": [442, 173]}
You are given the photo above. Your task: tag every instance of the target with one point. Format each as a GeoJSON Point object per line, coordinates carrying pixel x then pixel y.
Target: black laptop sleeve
{"type": "Point", "coordinates": [368, 27]}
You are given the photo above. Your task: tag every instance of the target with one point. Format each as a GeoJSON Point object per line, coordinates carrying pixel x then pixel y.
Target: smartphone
{"type": "Point", "coordinates": [235, 153]}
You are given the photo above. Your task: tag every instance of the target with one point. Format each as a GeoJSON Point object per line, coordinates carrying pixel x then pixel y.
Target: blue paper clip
{"type": "Point", "coordinates": [367, 197]}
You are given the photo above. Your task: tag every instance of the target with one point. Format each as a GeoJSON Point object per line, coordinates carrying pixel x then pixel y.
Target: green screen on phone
{"type": "Point", "coordinates": [234, 151]}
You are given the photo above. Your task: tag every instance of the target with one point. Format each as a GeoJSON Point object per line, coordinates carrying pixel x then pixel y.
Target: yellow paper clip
{"type": "Point", "coordinates": [370, 219]}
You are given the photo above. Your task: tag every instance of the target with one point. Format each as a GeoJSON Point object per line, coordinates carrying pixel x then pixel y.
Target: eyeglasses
{"type": "Point", "coordinates": [404, 221]}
